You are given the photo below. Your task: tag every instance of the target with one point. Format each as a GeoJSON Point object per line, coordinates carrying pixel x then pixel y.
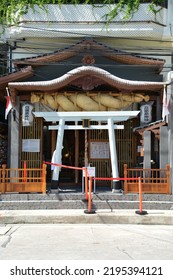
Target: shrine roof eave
{"type": "Point", "coordinates": [150, 126]}
{"type": "Point", "coordinates": [22, 74]}
{"type": "Point", "coordinates": [113, 54]}
{"type": "Point", "coordinates": [69, 77]}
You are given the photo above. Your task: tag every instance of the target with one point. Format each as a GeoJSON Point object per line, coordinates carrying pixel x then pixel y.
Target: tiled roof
{"type": "Point", "coordinates": [15, 76]}
{"type": "Point", "coordinates": [90, 71]}
{"type": "Point", "coordinates": [116, 55]}
{"type": "Point", "coordinates": [154, 127]}
{"type": "Point", "coordinates": [73, 50]}
{"type": "Point", "coordinates": [18, 75]}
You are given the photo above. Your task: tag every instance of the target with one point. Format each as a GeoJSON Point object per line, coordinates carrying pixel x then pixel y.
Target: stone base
{"type": "Point", "coordinates": [141, 212]}
{"type": "Point", "coordinates": [116, 187]}
{"type": "Point", "coordinates": [89, 212]}
{"type": "Point", "coordinates": [54, 184]}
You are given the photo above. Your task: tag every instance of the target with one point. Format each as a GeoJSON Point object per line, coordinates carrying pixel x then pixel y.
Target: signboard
{"type": "Point", "coordinates": [146, 113]}
{"type": "Point", "coordinates": [31, 145]}
{"type": "Point", "coordinates": [27, 117]}
{"type": "Point", "coordinates": [99, 150]}
{"type": "Point", "coordinates": [91, 172]}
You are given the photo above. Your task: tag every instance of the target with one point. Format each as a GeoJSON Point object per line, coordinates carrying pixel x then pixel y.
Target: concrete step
{"type": "Point", "coordinates": [79, 216]}
{"type": "Point", "coordinates": [72, 200]}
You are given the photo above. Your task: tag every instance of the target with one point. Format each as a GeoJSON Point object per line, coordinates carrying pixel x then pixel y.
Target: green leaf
{"type": "Point", "coordinates": [11, 10]}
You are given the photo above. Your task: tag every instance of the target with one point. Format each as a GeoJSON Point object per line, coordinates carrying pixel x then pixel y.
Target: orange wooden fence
{"type": "Point", "coordinates": [153, 180]}
{"type": "Point", "coordinates": [26, 180]}
{"type": "Point", "coordinates": [23, 180]}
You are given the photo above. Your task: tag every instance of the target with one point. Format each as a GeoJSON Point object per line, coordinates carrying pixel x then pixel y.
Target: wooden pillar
{"type": "Point", "coordinates": [125, 176]}
{"type": "Point", "coordinates": [3, 179]}
{"type": "Point", "coordinates": [44, 178]}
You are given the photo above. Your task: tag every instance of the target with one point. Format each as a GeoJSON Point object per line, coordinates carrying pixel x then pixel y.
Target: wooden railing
{"type": "Point", "coordinates": [153, 180]}
{"type": "Point", "coordinates": [23, 180]}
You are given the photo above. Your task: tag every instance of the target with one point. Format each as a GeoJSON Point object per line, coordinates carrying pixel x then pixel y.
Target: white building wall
{"type": "Point", "coordinates": [86, 20]}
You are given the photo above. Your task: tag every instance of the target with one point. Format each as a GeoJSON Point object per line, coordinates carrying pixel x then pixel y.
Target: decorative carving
{"type": "Point", "coordinates": [88, 59]}
{"type": "Point", "coordinates": [88, 82]}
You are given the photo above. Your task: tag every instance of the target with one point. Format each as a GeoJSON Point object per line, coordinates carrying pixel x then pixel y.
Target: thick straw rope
{"type": "Point", "coordinates": [87, 102]}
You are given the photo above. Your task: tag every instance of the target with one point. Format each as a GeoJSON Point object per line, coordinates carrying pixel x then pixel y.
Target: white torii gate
{"type": "Point", "coordinates": [110, 117]}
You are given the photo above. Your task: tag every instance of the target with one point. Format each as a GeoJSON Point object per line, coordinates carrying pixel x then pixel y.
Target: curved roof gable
{"type": "Point", "coordinates": [108, 52]}
{"type": "Point", "coordinates": [83, 71]}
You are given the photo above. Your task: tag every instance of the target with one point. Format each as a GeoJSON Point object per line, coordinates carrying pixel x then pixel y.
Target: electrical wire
{"type": "Point", "coordinates": [134, 51]}
{"type": "Point", "coordinates": [58, 46]}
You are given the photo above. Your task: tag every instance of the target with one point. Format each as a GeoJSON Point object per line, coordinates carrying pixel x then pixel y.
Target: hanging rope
{"type": "Point", "coordinates": [86, 148]}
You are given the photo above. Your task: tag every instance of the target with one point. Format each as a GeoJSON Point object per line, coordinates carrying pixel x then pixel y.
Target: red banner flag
{"type": "Point", "coordinates": [8, 104]}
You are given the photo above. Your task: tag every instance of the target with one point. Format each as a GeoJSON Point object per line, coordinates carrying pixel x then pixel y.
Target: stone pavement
{"type": "Point", "coordinates": [78, 216]}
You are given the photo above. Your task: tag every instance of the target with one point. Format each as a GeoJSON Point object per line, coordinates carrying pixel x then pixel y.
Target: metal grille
{"type": "Point", "coordinates": [126, 145]}
{"type": "Point", "coordinates": [126, 149]}
{"type": "Point", "coordinates": [35, 131]}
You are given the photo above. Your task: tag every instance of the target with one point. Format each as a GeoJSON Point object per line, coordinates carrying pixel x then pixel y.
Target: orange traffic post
{"type": "Point", "coordinates": [140, 211]}
{"type": "Point", "coordinates": [86, 184]}
{"type": "Point", "coordinates": [43, 178]}
{"type": "Point", "coordinates": [90, 210]}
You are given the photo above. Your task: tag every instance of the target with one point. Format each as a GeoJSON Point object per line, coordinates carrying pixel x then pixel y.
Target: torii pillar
{"type": "Point", "coordinates": [113, 152]}
{"type": "Point", "coordinates": [58, 153]}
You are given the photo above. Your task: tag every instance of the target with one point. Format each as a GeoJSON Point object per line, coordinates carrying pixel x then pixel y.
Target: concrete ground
{"type": "Point", "coordinates": [86, 242]}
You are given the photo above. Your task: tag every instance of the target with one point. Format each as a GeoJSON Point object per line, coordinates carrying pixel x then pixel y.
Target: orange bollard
{"type": "Point", "coordinates": [90, 195]}
{"type": "Point", "coordinates": [140, 211]}
{"type": "Point", "coordinates": [90, 210]}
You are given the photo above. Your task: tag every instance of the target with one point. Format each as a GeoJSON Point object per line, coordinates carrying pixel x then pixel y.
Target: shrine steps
{"type": "Point", "coordinates": [75, 200]}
